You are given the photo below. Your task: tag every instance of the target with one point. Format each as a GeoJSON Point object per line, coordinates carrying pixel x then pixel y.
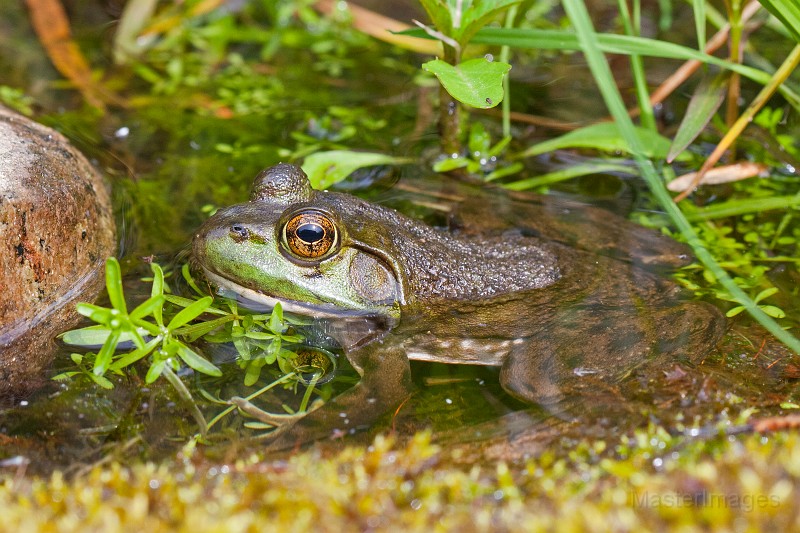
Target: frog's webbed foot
{"type": "Point", "coordinates": [385, 382]}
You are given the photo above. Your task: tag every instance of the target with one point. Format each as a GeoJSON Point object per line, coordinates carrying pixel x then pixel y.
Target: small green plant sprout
{"type": "Point", "coordinates": [258, 339]}
{"type": "Point", "coordinates": [771, 310]}
{"type": "Point", "coordinates": [162, 328]}
{"type": "Point", "coordinates": [482, 158]}
{"type": "Point", "coordinates": [476, 82]}
{"type": "Point", "coordinates": [115, 325]}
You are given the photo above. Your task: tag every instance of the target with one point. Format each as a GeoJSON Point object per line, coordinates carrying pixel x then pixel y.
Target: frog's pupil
{"type": "Point", "coordinates": [310, 233]}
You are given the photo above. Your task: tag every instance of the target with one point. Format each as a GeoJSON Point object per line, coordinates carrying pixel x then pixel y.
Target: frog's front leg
{"type": "Point", "coordinates": [385, 382]}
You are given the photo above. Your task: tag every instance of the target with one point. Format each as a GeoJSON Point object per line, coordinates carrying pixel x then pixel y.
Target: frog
{"type": "Point", "coordinates": [558, 294]}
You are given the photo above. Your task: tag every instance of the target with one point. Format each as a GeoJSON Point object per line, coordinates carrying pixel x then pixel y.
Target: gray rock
{"type": "Point", "coordinates": [56, 230]}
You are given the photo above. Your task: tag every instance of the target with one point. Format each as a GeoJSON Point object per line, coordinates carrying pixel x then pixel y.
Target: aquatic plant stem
{"type": "Point", "coordinates": [505, 53]}
{"type": "Point", "coordinates": [309, 390]}
{"type": "Point", "coordinates": [734, 8]}
{"type": "Point", "coordinates": [637, 67]}
{"type": "Point", "coordinates": [579, 16]}
{"type": "Point", "coordinates": [186, 396]}
{"type": "Point", "coordinates": [259, 392]}
{"type": "Point", "coordinates": [450, 110]}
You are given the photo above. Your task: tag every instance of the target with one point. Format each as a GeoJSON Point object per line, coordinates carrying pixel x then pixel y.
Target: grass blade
{"type": "Point", "coordinates": [567, 173]}
{"type": "Point", "coordinates": [603, 136]}
{"type": "Point", "coordinates": [788, 12]}
{"type": "Point", "coordinates": [704, 103]}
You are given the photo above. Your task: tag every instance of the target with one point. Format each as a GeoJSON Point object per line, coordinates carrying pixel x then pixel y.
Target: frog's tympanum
{"type": "Point", "coordinates": [563, 295]}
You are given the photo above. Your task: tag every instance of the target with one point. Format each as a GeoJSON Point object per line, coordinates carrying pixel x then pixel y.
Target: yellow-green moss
{"type": "Point", "coordinates": [746, 483]}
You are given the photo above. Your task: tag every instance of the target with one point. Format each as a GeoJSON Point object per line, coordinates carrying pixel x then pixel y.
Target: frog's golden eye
{"type": "Point", "coordinates": [310, 235]}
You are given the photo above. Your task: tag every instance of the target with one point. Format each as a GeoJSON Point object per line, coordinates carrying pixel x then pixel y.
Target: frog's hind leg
{"type": "Point", "coordinates": [589, 348]}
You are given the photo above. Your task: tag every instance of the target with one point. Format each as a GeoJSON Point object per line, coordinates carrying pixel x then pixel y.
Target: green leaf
{"type": "Point", "coordinates": [186, 302]}
{"type": "Point", "coordinates": [773, 311]}
{"type": "Point", "coordinates": [148, 307]}
{"type": "Point", "coordinates": [276, 323]}
{"type": "Point", "coordinates": [439, 13]}
{"type": "Point", "coordinates": [90, 336]}
{"type": "Point", "coordinates": [96, 313]}
{"type": "Point", "coordinates": [271, 352]}
{"type": "Point", "coordinates": [699, 9]}
{"type": "Point", "coordinates": [65, 375]}
{"type": "Point", "coordinates": [742, 206]}
{"type": "Point", "coordinates": [259, 335]}
{"type": "Point", "coordinates": [499, 147]}
{"type": "Point", "coordinates": [143, 327]}
{"type": "Point", "coordinates": [604, 136]}
{"type": "Point", "coordinates": [733, 311]}
{"type": "Point", "coordinates": [105, 354]}
{"type": "Point", "coordinates": [196, 361]}
{"type": "Point", "coordinates": [476, 83]}
{"type": "Point", "coordinates": [450, 163]}
{"type": "Point", "coordinates": [131, 357]}
{"type": "Point", "coordinates": [704, 103]}
{"type": "Point", "coordinates": [766, 293]}
{"type": "Point", "coordinates": [788, 12]}
{"type": "Point", "coordinates": [615, 44]}
{"type": "Point", "coordinates": [477, 14]}
{"type": "Point", "coordinates": [114, 285]}
{"type": "Point", "coordinates": [251, 374]}
{"type": "Point", "coordinates": [502, 172]}
{"type": "Point", "coordinates": [460, 19]}
{"type": "Point", "coordinates": [479, 139]}
{"type": "Point", "coordinates": [155, 371]}
{"type": "Point", "coordinates": [242, 348]}
{"type": "Point", "coordinates": [328, 168]}
{"type": "Point", "coordinates": [95, 336]}
{"type": "Point", "coordinates": [188, 314]}
{"type": "Point", "coordinates": [102, 381]}
{"type": "Point", "coordinates": [567, 173]}
{"type": "Point", "coordinates": [195, 331]}
{"type": "Point", "coordinates": [157, 290]}
{"type": "Point", "coordinates": [187, 275]}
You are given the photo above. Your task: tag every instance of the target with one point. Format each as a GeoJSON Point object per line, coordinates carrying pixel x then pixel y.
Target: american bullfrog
{"type": "Point", "coordinates": [562, 297]}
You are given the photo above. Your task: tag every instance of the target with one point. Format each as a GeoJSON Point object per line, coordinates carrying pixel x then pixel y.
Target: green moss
{"type": "Point", "coordinates": [746, 483]}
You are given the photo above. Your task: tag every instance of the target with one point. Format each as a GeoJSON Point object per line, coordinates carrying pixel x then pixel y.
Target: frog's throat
{"type": "Point", "coordinates": [252, 298]}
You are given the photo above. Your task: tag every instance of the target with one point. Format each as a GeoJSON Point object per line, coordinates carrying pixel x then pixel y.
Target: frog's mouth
{"type": "Point", "coordinates": [259, 301]}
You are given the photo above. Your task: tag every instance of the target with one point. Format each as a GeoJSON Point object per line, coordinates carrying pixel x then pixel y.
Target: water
{"type": "Point", "coordinates": [171, 161]}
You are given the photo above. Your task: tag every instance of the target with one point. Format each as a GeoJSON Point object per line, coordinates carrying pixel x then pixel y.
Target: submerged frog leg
{"type": "Point", "coordinates": [587, 344]}
{"type": "Point", "coordinates": [385, 382]}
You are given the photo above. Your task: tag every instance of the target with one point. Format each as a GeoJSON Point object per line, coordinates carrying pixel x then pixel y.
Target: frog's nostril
{"type": "Point", "coordinates": [239, 232]}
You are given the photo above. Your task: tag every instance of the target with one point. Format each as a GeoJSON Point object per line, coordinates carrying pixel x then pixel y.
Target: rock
{"type": "Point", "coordinates": [56, 230]}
